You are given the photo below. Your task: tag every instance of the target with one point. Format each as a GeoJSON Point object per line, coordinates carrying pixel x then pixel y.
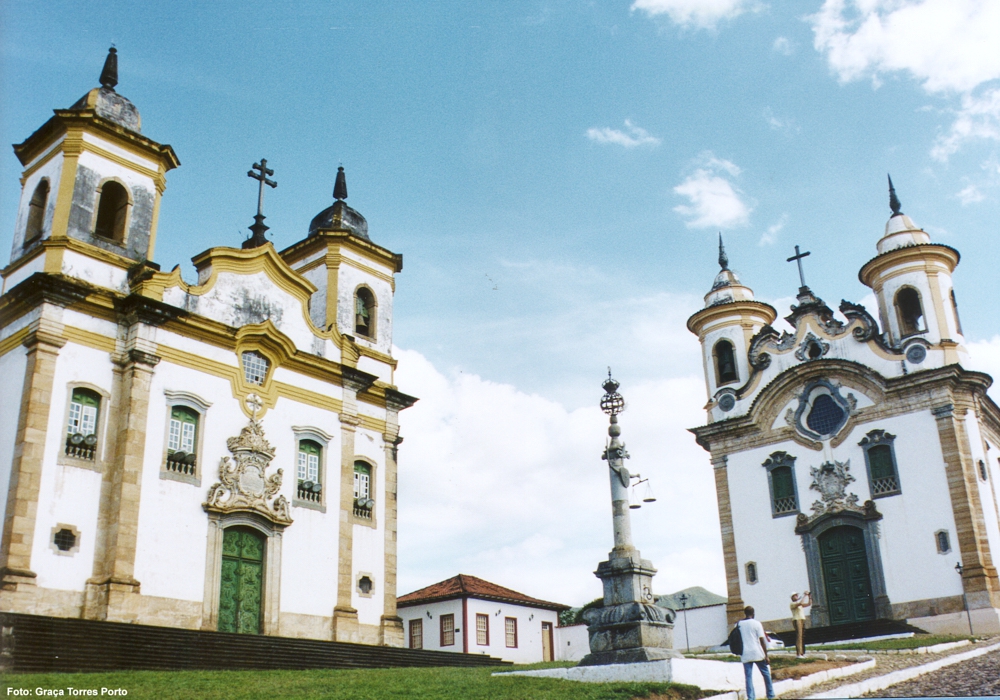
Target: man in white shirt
{"type": "Point", "coordinates": [798, 606]}
{"type": "Point", "coordinates": [754, 652]}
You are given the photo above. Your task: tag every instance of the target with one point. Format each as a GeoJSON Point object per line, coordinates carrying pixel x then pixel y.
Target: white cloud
{"type": "Point", "coordinates": [978, 118]}
{"type": "Point", "coordinates": [950, 46]}
{"type": "Point", "coordinates": [783, 46]}
{"type": "Point", "coordinates": [636, 136]}
{"type": "Point", "coordinates": [946, 44]}
{"type": "Point", "coordinates": [714, 201]}
{"type": "Point", "coordinates": [780, 124]}
{"type": "Point", "coordinates": [510, 486]}
{"type": "Point", "coordinates": [700, 14]}
{"type": "Point", "coordinates": [970, 195]}
{"type": "Point", "coordinates": [771, 234]}
{"type": "Point", "coordinates": [985, 356]}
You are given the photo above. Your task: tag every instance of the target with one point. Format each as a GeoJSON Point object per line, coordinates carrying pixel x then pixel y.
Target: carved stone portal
{"type": "Point", "coordinates": [244, 486]}
{"type": "Point", "coordinates": [831, 480]}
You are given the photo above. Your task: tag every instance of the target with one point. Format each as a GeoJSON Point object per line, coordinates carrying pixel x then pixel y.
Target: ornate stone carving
{"type": "Point", "coordinates": [831, 480]}
{"type": "Point", "coordinates": [244, 485]}
{"type": "Point", "coordinates": [806, 348]}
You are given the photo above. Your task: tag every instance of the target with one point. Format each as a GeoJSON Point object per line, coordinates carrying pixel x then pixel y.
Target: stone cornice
{"type": "Point", "coordinates": [937, 252]}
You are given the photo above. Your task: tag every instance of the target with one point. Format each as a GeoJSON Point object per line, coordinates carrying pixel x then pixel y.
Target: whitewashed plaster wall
{"type": "Point", "coordinates": [572, 642]}
{"type": "Point", "coordinates": [86, 268]}
{"type": "Point", "coordinates": [432, 623]}
{"type": "Point", "coordinates": [70, 495]}
{"type": "Point", "coordinates": [349, 278]}
{"type": "Point", "coordinates": [706, 627]}
{"type": "Point", "coordinates": [12, 369]}
{"type": "Point", "coordinates": [237, 300]}
{"type": "Point", "coordinates": [52, 170]}
{"type": "Point", "coordinates": [987, 492]}
{"type": "Point", "coordinates": [529, 630]}
{"type": "Point", "coordinates": [906, 532]}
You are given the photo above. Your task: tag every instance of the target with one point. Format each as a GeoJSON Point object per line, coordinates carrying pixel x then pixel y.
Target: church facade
{"type": "Point", "coordinates": [855, 458]}
{"type": "Point", "coordinates": [218, 455]}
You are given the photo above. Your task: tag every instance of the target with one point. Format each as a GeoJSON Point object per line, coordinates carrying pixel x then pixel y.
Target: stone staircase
{"type": "Point", "coordinates": [845, 633]}
{"type": "Point", "coordinates": [37, 644]}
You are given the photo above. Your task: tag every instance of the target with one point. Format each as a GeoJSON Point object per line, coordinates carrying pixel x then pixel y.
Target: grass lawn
{"type": "Point", "coordinates": [367, 684]}
{"type": "Point", "coordinates": [917, 640]}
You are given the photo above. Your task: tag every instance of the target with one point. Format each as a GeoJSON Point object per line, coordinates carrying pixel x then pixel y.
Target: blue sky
{"type": "Point", "coordinates": [555, 174]}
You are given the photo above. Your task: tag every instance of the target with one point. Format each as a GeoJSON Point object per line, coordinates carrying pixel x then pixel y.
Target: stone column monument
{"type": "Point", "coordinates": [629, 628]}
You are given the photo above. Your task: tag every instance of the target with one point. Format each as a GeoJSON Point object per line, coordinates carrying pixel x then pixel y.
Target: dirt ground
{"type": "Point", "coordinates": [800, 670]}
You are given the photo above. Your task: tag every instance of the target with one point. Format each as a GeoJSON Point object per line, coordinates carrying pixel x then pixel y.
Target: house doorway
{"type": "Point", "coordinates": [241, 588]}
{"type": "Point", "coordinates": [547, 645]}
{"type": "Point", "coordinates": [846, 578]}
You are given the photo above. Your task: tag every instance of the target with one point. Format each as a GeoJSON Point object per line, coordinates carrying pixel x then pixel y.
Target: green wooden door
{"type": "Point", "coordinates": [845, 575]}
{"type": "Point", "coordinates": [242, 581]}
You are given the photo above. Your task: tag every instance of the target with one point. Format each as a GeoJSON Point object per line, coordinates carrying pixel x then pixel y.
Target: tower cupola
{"type": "Point", "coordinates": [725, 326]}
{"type": "Point", "coordinates": [912, 281]}
{"type": "Point", "coordinates": [339, 216]}
{"type": "Point", "coordinates": [91, 190]}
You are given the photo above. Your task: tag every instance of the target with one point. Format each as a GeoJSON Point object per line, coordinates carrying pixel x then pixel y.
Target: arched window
{"type": "Point", "coordinates": [308, 467]}
{"type": "Point", "coordinates": [826, 417]}
{"type": "Point", "coordinates": [36, 212]}
{"type": "Point", "coordinates": [725, 362]}
{"type": "Point", "coordinates": [910, 311]}
{"type": "Point", "coordinates": [781, 478]}
{"type": "Point", "coordinates": [363, 502]}
{"type": "Point", "coordinates": [954, 307]}
{"type": "Point", "coordinates": [880, 457]}
{"type": "Point", "coordinates": [81, 430]}
{"type": "Point", "coordinates": [364, 312]}
{"type": "Point", "coordinates": [182, 440]}
{"type": "Point", "coordinates": [255, 367]}
{"type": "Point", "coordinates": [751, 568]}
{"type": "Point", "coordinates": [111, 211]}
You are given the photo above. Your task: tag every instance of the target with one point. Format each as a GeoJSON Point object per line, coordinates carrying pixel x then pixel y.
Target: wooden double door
{"type": "Point", "coordinates": [242, 583]}
{"type": "Point", "coordinates": [846, 577]}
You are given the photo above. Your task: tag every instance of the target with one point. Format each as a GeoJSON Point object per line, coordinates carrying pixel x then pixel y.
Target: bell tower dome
{"type": "Point", "coordinates": [725, 327]}
{"type": "Point", "coordinates": [912, 281]}
{"type": "Point", "coordinates": [91, 189]}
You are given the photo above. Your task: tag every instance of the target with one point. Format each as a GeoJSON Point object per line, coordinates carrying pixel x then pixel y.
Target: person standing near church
{"type": "Point", "coordinates": [754, 652]}
{"type": "Point", "coordinates": [798, 606]}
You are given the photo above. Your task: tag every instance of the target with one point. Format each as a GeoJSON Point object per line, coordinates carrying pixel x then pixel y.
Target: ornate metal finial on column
{"type": "Point", "coordinates": [109, 74]}
{"type": "Point", "coordinates": [723, 258]}
{"type": "Point", "coordinates": [894, 202]}
{"type": "Point", "coordinates": [629, 628]}
{"type": "Point", "coordinates": [258, 228]}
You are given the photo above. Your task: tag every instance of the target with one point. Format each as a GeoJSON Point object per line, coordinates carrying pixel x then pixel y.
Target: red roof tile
{"type": "Point", "coordinates": [464, 586]}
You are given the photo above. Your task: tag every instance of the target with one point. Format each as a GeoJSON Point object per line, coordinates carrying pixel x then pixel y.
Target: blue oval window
{"type": "Point", "coordinates": [826, 417]}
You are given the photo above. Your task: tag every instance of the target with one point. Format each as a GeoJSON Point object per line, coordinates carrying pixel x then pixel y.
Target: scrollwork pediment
{"type": "Point", "coordinates": [243, 482]}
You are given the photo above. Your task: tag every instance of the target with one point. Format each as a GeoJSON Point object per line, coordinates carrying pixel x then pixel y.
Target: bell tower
{"type": "Point", "coordinates": [90, 190]}
{"type": "Point", "coordinates": [912, 281]}
{"type": "Point", "coordinates": [725, 327]}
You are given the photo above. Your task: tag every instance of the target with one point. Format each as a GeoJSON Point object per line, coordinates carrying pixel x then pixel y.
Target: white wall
{"type": "Point", "coordinates": [529, 628]}
{"type": "Point", "coordinates": [706, 627]}
{"type": "Point", "coordinates": [12, 367]}
{"type": "Point", "coordinates": [572, 642]}
{"type": "Point", "coordinates": [906, 532]}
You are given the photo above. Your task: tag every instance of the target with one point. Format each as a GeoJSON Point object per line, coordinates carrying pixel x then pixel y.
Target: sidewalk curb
{"type": "Point", "coordinates": [854, 690]}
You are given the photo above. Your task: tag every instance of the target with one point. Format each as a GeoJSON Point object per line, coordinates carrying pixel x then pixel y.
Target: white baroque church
{"type": "Point", "coordinates": [856, 459]}
{"type": "Point", "coordinates": [218, 455]}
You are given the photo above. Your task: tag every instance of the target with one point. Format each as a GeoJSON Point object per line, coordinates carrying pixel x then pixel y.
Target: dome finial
{"type": "Point", "coordinates": [894, 202]}
{"type": "Point", "coordinates": [109, 75]}
{"type": "Point", "coordinates": [723, 258]}
{"type": "Point", "coordinates": [340, 186]}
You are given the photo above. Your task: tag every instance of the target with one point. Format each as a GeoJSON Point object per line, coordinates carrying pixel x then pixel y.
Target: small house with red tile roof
{"type": "Point", "coordinates": [469, 615]}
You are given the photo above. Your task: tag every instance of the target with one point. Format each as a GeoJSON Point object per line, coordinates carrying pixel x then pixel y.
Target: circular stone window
{"type": "Point", "coordinates": [915, 354]}
{"type": "Point", "coordinates": [727, 402]}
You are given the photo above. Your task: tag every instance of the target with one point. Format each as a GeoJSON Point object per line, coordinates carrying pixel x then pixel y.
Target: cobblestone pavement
{"type": "Point", "coordinates": [887, 663]}
{"type": "Point", "coordinates": [979, 676]}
